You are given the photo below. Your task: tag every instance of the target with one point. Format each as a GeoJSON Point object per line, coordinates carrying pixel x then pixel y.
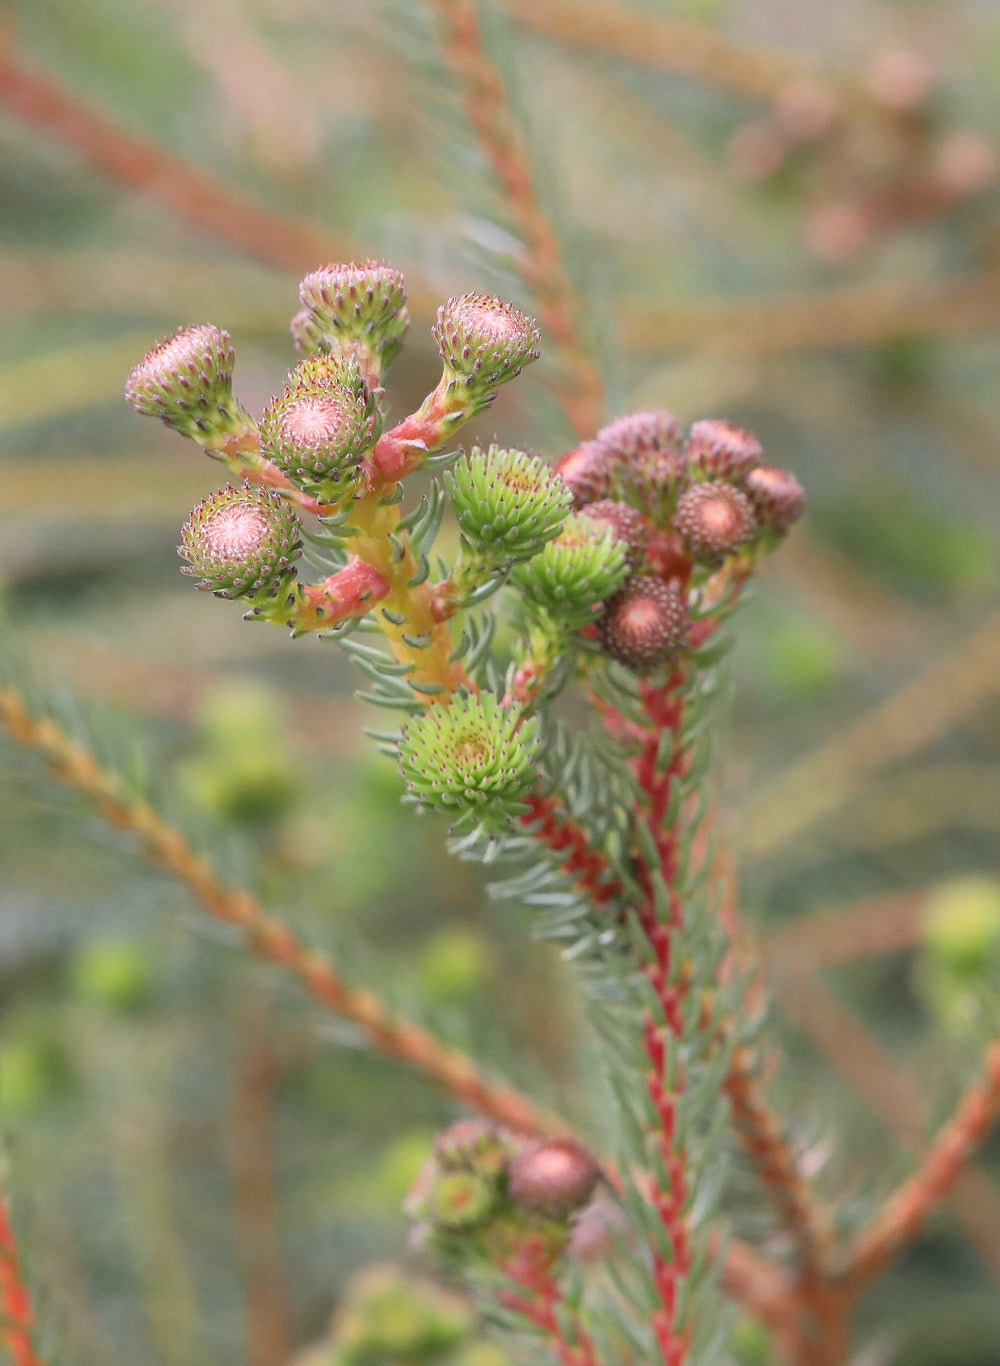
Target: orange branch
{"type": "Point", "coordinates": [903, 1216]}
{"type": "Point", "coordinates": [662, 42]}
{"type": "Point", "coordinates": [269, 938]}
{"type": "Point", "coordinates": [579, 387]}
{"type": "Point", "coordinates": [135, 161]}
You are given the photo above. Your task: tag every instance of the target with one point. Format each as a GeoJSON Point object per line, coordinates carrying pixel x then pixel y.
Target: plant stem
{"type": "Point", "coordinates": [579, 387]}
{"type": "Point", "coordinates": [17, 1318]}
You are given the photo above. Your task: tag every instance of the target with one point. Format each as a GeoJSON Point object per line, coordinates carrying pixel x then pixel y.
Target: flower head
{"type": "Point", "coordinates": [319, 430]}
{"type": "Point", "coordinates": [587, 472]}
{"type": "Point", "coordinates": [571, 577]}
{"type": "Point", "coordinates": [553, 1176]}
{"type": "Point", "coordinates": [645, 624]}
{"type": "Point", "coordinates": [718, 450]}
{"type": "Point", "coordinates": [354, 307]}
{"type": "Point", "coordinates": [485, 341]}
{"type": "Point", "coordinates": [472, 758]}
{"type": "Point", "coordinates": [776, 495]}
{"type": "Point", "coordinates": [714, 520]}
{"type": "Point", "coordinates": [187, 382]}
{"type": "Point", "coordinates": [507, 502]}
{"type": "Point", "coordinates": [243, 542]}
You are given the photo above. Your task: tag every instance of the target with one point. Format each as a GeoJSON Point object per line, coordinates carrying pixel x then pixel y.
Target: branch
{"type": "Point", "coordinates": [903, 1216]}
{"type": "Point", "coordinates": [270, 939]}
{"type": "Point", "coordinates": [787, 324]}
{"type": "Point", "coordinates": [17, 1318]}
{"type": "Point", "coordinates": [920, 711]}
{"type": "Point", "coordinates": [760, 1133]}
{"type": "Point", "coordinates": [139, 163]}
{"type": "Point", "coordinates": [664, 43]}
{"type": "Point", "coordinates": [579, 388]}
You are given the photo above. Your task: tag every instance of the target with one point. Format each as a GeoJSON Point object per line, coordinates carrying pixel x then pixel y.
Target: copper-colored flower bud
{"type": "Point", "coordinates": [628, 525]}
{"type": "Point", "coordinates": [485, 340]}
{"type": "Point", "coordinates": [644, 624]}
{"type": "Point", "coordinates": [776, 495]}
{"type": "Point", "coordinates": [719, 450]}
{"type": "Point", "coordinates": [714, 520]}
{"type": "Point", "coordinates": [586, 471]}
{"type": "Point", "coordinates": [649, 430]}
{"type": "Point", "coordinates": [553, 1177]}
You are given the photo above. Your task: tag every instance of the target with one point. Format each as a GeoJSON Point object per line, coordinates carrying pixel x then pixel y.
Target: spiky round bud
{"type": "Point", "coordinates": [187, 382]}
{"type": "Point", "coordinates": [648, 430]}
{"type": "Point", "coordinates": [472, 758]}
{"type": "Point", "coordinates": [714, 520]}
{"type": "Point", "coordinates": [647, 459]}
{"type": "Point", "coordinates": [243, 542]}
{"type": "Point", "coordinates": [459, 1201]}
{"type": "Point", "coordinates": [575, 572]}
{"type": "Point", "coordinates": [485, 340]}
{"type": "Point", "coordinates": [628, 525]}
{"type": "Point", "coordinates": [318, 431]}
{"type": "Point", "coordinates": [553, 1176]}
{"type": "Point", "coordinates": [718, 450]}
{"type": "Point", "coordinates": [645, 624]}
{"type": "Point", "coordinates": [472, 1145]}
{"type": "Point", "coordinates": [586, 471]}
{"type": "Point", "coordinates": [776, 495]}
{"type": "Point", "coordinates": [508, 503]}
{"type": "Point", "coordinates": [357, 305]}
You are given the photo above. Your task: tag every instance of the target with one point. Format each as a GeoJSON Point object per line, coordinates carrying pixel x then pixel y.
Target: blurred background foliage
{"type": "Point", "coordinates": [783, 213]}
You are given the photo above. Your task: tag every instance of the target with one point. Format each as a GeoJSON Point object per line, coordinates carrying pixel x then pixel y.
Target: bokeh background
{"type": "Point", "coordinates": [780, 212]}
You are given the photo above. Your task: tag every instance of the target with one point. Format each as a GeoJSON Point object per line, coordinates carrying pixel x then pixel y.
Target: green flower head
{"type": "Point", "coordinates": [508, 503]}
{"type": "Point", "coordinates": [573, 575]}
{"type": "Point", "coordinates": [320, 429]}
{"type": "Point", "coordinates": [187, 382]}
{"type": "Point", "coordinates": [473, 758]}
{"type": "Point", "coordinates": [242, 542]}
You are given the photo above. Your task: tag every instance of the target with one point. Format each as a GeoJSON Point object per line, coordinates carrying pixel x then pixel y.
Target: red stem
{"type": "Point", "coordinates": [17, 1317]}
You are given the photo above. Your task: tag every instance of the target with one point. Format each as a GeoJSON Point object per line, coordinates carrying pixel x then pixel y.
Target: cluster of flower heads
{"type": "Point", "coordinates": [485, 1191]}
{"type": "Point", "coordinates": [613, 550]}
{"type": "Point", "coordinates": [682, 507]}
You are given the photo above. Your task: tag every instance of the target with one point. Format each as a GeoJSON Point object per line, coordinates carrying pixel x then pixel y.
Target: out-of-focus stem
{"type": "Point", "coordinates": [579, 387]}
{"type": "Point", "coordinates": [903, 1216]}
{"type": "Point", "coordinates": [17, 1318]}
{"type": "Point", "coordinates": [138, 162]}
{"type": "Point", "coordinates": [271, 939]}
